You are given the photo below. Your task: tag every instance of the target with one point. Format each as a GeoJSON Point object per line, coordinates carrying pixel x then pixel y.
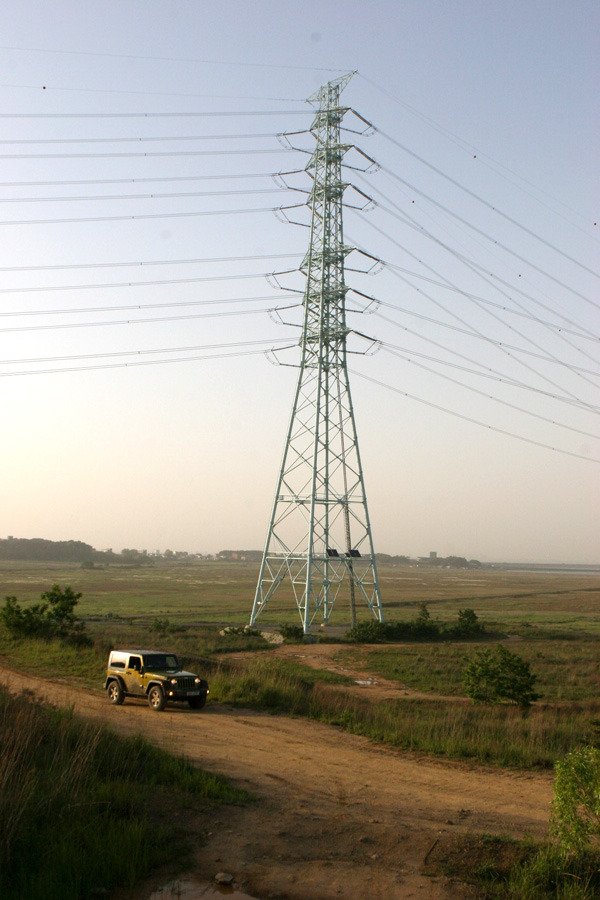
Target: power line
{"type": "Point", "coordinates": [178, 215]}
{"type": "Point", "coordinates": [466, 262]}
{"type": "Point", "coordinates": [62, 183]}
{"type": "Point", "coordinates": [147, 321]}
{"type": "Point", "coordinates": [170, 196]}
{"type": "Point", "coordinates": [471, 329]}
{"type": "Point", "coordinates": [489, 340]}
{"type": "Point", "coordinates": [406, 355]}
{"type": "Point", "coordinates": [481, 156]}
{"type": "Point", "coordinates": [121, 353]}
{"type": "Point", "coordinates": [126, 365]}
{"type": "Point", "coordinates": [143, 140]}
{"type": "Point", "coordinates": [589, 336]}
{"type": "Point", "coordinates": [150, 262]}
{"type": "Point", "coordinates": [86, 310]}
{"type": "Point", "coordinates": [80, 90]}
{"type": "Point", "coordinates": [470, 296]}
{"type": "Point", "coordinates": [478, 270]}
{"type": "Point", "coordinates": [160, 115]}
{"type": "Point", "coordinates": [122, 284]}
{"type": "Point", "coordinates": [484, 234]}
{"type": "Point", "coordinates": [475, 196]}
{"type": "Point", "coordinates": [208, 62]}
{"type": "Point", "coordinates": [152, 154]}
{"type": "Point", "coordinates": [458, 415]}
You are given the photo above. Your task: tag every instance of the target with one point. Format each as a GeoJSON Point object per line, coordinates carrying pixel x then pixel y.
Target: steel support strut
{"type": "Point", "coordinates": [319, 547]}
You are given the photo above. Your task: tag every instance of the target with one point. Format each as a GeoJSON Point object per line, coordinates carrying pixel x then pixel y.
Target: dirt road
{"type": "Point", "coordinates": [336, 816]}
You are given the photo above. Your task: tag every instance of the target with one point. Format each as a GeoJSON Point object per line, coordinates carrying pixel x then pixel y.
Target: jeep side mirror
{"type": "Point", "coordinates": [141, 670]}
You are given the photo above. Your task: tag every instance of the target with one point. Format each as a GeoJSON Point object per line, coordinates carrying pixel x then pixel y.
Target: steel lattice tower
{"type": "Point", "coordinates": [319, 547]}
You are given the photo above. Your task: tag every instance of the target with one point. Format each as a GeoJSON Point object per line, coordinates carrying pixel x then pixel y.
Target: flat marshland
{"type": "Point", "coordinates": [551, 619]}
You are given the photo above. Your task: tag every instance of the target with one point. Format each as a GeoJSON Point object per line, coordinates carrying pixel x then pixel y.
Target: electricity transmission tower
{"type": "Point", "coordinates": [319, 547]}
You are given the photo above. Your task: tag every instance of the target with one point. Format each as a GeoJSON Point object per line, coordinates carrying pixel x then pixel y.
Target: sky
{"type": "Point", "coordinates": [142, 403]}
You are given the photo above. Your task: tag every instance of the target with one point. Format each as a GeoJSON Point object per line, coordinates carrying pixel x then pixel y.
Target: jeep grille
{"type": "Point", "coordinates": [187, 683]}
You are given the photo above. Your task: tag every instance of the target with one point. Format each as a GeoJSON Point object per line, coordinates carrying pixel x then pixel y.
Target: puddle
{"type": "Point", "coordinates": [190, 889]}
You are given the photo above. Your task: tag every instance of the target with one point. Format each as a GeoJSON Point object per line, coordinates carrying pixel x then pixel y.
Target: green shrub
{"type": "Point", "coordinates": [421, 628]}
{"type": "Point", "coordinates": [575, 819]}
{"type": "Point", "coordinates": [291, 633]}
{"type": "Point", "coordinates": [53, 617]}
{"type": "Point", "coordinates": [497, 676]}
{"type": "Point", "coordinates": [468, 625]}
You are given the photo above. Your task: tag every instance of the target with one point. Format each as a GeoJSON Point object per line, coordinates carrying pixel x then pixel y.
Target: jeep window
{"type": "Point", "coordinates": [135, 663]}
{"type": "Point", "coordinates": [161, 662]}
{"type": "Point", "coordinates": [117, 664]}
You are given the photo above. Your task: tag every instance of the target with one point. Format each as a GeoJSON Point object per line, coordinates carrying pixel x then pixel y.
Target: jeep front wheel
{"type": "Point", "coordinates": [156, 698]}
{"type": "Point", "coordinates": [115, 693]}
{"type": "Point", "coordinates": [197, 702]}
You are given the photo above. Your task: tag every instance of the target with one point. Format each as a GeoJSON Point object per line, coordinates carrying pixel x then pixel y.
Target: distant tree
{"type": "Point", "coordinates": [53, 617]}
{"type": "Point", "coordinates": [468, 624]}
{"type": "Point", "coordinates": [497, 676]}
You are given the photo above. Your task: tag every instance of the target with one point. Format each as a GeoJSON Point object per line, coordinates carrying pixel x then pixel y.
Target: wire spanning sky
{"type": "Point", "coordinates": [153, 159]}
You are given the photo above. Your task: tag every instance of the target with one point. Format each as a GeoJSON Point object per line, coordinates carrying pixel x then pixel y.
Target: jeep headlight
{"type": "Point", "coordinates": [197, 680]}
{"type": "Point", "coordinates": [173, 681]}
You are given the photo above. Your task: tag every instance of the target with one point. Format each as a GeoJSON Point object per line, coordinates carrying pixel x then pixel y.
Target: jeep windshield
{"type": "Point", "coordinates": [161, 662]}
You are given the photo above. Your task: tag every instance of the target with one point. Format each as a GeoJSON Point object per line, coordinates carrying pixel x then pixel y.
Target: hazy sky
{"type": "Point", "coordinates": [147, 415]}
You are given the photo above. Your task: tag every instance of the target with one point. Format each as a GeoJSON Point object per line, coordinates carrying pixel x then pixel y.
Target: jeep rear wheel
{"type": "Point", "coordinates": [115, 693]}
{"type": "Point", "coordinates": [156, 698]}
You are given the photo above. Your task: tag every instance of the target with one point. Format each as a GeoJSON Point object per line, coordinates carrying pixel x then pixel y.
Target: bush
{"type": "Point", "coordinates": [53, 617]}
{"type": "Point", "coordinates": [421, 628]}
{"type": "Point", "coordinates": [292, 634]}
{"type": "Point", "coordinates": [468, 625]}
{"type": "Point", "coordinates": [497, 676]}
{"type": "Point", "coordinates": [370, 632]}
{"type": "Point", "coordinates": [575, 819]}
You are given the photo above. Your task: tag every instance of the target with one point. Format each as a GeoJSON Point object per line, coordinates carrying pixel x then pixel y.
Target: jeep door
{"type": "Point", "coordinates": [133, 675]}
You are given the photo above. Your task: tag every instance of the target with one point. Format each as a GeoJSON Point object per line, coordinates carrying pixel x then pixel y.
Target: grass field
{"type": "Point", "coordinates": [222, 593]}
{"type": "Point", "coordinates": [550, 619]}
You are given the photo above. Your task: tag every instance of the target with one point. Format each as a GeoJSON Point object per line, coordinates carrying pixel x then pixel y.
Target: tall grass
{"type": "Point", "coordinates": [82, 810]}
{"type": "Point", "coordinates": [454, 728]}
{"type": "Point", "coordinates": [501, 735]}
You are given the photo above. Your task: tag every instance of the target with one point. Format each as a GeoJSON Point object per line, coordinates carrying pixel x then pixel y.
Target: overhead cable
{"type": "Point", "coordinates": [494, 241]}
{"type": "Point", "coordinates": [168, 304]}
{"type": "Point", "coordinates": [158, 115]}
{"type": "Point", "coordinates": [148, 154]}
{"type": "Point", "coordinates": [451, 312]}
{"type": "Point", "coordinates": [62, 183]}
{"type": "Point", "coordinates": [195, 59]}
{"type": "Point", "coordinates": [142, 140]}
{"type": "Point", "coordinates": [149, 262]}
{"type": "Point", "coordinates": [458, 415]}
{"type": "Point", "coordinates": [169, 196]}
{"type": "Point", "coordinates": [408, 356]}
{"type": "Point", "coordinates": [475, 196]}
{"type": "Point", "coordinates": [146, 321]}
{"type": "Point", "coordinates": [121, 353]}
{"type": "Point", "coordinates": [178, 215]}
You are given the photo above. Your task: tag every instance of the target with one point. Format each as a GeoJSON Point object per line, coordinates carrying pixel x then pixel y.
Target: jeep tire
{"type": "Point", "coordinates": [197, 702]}
{"type": "Point", "coordinates": [156, 698]}
{"type": "Point", "coordinates": [115, 693]}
